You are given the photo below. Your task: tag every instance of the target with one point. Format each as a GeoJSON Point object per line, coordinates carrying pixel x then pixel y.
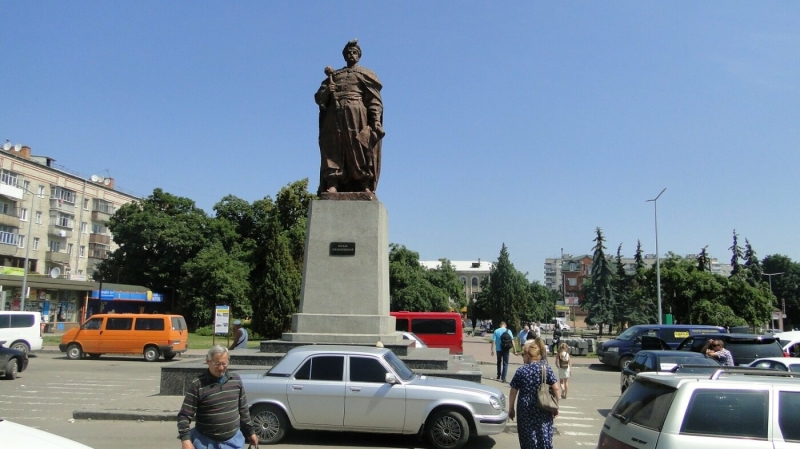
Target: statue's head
{"type": "Point", "coordinates": [352, 52]}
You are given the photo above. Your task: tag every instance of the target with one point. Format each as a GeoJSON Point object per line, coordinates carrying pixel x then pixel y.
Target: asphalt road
{"type": "Point", "coordinates": [45, 395]}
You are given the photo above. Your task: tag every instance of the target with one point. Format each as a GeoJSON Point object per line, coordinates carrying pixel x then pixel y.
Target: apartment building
{"type": "Point", "coordinates": [55, 219]}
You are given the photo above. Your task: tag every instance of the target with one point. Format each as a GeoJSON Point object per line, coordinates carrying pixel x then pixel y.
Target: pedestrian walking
{"type": "Point", "coordinates": [534, 425]}
{"type": "Point", "coordinates": [502, 343]}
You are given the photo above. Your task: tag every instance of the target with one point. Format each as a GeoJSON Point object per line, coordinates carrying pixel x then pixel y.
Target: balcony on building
{"type": "Point", "coordinates": [9, 216]}
{"type": "Point", "coordinates": [10, 185]}
{"type": "Point", "coordinates": [59, 231]}
{"type": "Point", "coordinates": [57, 257]}
{"type": "Point", "coordinates": [102, 210]}
{"type": "Point", "coordinates": [102, 239]}
{"type": "Point", "coordinates": [8, 243]}
{"type": "Point", "coordinates": [61, 205]}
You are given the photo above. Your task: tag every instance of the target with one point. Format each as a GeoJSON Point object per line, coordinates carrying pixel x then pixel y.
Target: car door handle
{"type": "Point", "coordinates": [356, 389]}
{"type": "Point", "coordinates": [297, 387]}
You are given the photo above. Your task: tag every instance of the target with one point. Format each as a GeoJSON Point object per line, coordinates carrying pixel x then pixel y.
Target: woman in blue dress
{"type": "Point", "coordinates": [534, 426]}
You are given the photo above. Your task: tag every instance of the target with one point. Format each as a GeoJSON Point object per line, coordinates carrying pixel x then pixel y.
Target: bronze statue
{"type": "Point", "coordinates": [350, 126]}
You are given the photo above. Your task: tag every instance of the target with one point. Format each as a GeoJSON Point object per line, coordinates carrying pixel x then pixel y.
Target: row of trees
{"type": "Point", "coordinates": [690, 291]}
{"type": "Point", "coordinates": [250, 256]}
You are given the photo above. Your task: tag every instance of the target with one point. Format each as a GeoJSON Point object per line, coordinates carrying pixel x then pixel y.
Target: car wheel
{"type": "Point", "coordinates": [169, 356]}
{"type": "Point", "coordinates": [74, 351]}
{"type": "Point", "coordinates": [12, 369]}
{"type": "Point", "coordinates": [21, 346]}
{"type": "Point", "coordinates": [270, 423]}
{"type": "Point", "coordinates": [94, 355]}
{"type": "Point", "coordinates": [447, 429]}
{"type": "Point", "coordinates": [624, 362]}
{"type": "Point", "coordinates": [151, 354]}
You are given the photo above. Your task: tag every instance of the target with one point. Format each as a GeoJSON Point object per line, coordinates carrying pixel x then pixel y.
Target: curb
{"type": "Point", "coordinates": [166, 415]}
{"type": "Point", "coordinates": [125, 415]}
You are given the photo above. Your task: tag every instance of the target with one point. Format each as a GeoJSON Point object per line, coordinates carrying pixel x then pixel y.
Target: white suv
{"type": "Point", "coordinates": [733, 408]}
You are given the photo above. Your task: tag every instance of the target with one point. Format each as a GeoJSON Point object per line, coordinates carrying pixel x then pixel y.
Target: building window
{"type": "Point", "coordinates": [21, 241]}
{"type": "Point", "coordinates": [36, 243]}
{"type": "Point", "coordinates": [82, 252]}
{"type": "Point", "coordinates": [86, 204]}
{"type": "Point", "coordinates": [38, 217]}
{"type": "Point", "coordinates": [7, 235]}
{"type": "Point", "coordinates": [573, 282]}
{"type": "Point", "coordinates": [27, 186]}
{"type": "Point", "coordinates": [23, 214]}
{"type": "Point", "coordinates": [474, 281]}
{"type": "Point", "coordinates": [8, 177]}
{"type": "Point", "coordinates": [98, 229]}
{"type": "Point", "coordinates": [65, 195]}
{"type": "Point", "coordinates": [6, 209]}
{"type": "Point", "coordinates": [69, 248]}
{"type": "Point", "coordinates": [55, 245]}
{"type": "Point", "coordinates": [64, 220]}
{"type": "Point", "coordinates": [40, 193]}
{"type": "Point", "coordinates": [84, 227]}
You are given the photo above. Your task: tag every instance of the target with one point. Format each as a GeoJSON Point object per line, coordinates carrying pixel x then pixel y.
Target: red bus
{"type": "Point", "coordinates": [436, 329]}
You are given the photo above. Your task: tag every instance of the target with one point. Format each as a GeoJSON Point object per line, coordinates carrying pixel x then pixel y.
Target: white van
{"type": "Point", "coordinates": [21, 330]}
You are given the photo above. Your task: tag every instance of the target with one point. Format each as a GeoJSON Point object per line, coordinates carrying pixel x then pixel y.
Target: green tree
{"type": "Point", "coordinates": [736, 255]}
{"type": "Point", "coordinates": [786, 286]}
{"type": "Point", "coordinates": [715, 313]}
{"type": "Point", "coordinates": [703, 261]}
{"type": "Point", "coordinates": [156, 237]}
{"type": "Point", "coordinates": [507, 294]}
{"type": "Point", "coordinates": [212, 278]}
{"type": "Point", "coordinates": [276, 284]}
{"type": "Point", "coordinates": [599, 292]}
{"type": "Point", "coordinates": [752, 265]}
{"type": "Point", "coordinates": [444, 277]}
{"type": "Point", "coordinates": [409, 287]}
{"type": "Point", "coordinates": [753, 304]}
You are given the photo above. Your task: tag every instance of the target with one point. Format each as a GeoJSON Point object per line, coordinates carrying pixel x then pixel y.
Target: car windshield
{"type": "Point", "coordinates": [400, 368]}
{"type": "Point", "coordinates": [628, 334]}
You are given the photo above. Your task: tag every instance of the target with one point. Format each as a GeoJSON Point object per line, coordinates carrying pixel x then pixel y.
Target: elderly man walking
{"type": "Point", "coordinates": [217, 404]}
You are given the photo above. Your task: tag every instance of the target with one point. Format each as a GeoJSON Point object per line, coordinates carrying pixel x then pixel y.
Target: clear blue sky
{"type": "Point", "coordinates": [529, 123]}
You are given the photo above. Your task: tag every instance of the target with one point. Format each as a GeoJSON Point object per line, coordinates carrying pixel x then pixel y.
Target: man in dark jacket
{"type": "Point", "coordinates": [218, 405]}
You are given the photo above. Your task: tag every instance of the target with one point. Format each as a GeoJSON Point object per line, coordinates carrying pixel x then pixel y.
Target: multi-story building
{"type": "Point", "coordinates": [470, 273]}
{"type": "Point", "coordinates": [55, 219]}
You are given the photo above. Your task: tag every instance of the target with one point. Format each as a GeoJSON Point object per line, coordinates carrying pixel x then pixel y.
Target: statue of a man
{"type": "Point", "coordinates": [350, 126]}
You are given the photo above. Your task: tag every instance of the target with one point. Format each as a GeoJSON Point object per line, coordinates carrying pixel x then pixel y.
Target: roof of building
{"type": "Point", "coordinates": [477, 266]}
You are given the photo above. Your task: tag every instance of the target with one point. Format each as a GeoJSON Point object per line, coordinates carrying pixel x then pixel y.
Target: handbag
{"type": "Point", "coordinates": [547, 400]}
{"type": "Point", "coordinates": [250, 446]}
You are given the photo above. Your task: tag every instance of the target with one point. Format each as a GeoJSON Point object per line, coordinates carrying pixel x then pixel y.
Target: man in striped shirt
{"type": "Point", "coordinates": [217, 403]}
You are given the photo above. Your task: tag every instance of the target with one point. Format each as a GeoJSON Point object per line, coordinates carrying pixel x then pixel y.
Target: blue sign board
{"type": "Point", "coordinates": [113, 295]}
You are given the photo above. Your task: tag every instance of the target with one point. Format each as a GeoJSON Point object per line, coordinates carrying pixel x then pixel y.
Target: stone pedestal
{"type": "Point", "coordinates": [345, 290]}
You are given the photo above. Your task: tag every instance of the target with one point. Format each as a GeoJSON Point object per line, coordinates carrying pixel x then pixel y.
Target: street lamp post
{"type": "Point", "coordinates": [27, 255]}
{"type": "Point", "coordinates": [658, 257]}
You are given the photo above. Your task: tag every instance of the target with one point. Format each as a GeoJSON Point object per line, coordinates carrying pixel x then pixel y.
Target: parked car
{"type": "Point", "coordinates": [659, 361]}
{"type": "Point", "coordinates": [743, 347]}
{"type": "Point", "coordinates": [726, 410]}
{"type": "Point", "coordinates": [621, 350]}
{"type": "Point", "coordinates": [368, 389]}
{"type": "Point", "coordinates": [418, 343]}
{"type": "Point", "coordinates": [19, 436]}
{"type": "Point", "coordinates": [12, 362]}
{"type": "Point", "coordinates": [21, 330]}
{"type": "Point", "coordinates": [777, 363]}
{"type": "Point", "coordinates": [151, 335]}
{"type": "Point", "coordinates": [790, 341]}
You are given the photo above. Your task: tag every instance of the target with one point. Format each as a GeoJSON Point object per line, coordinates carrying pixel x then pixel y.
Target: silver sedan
{"type": "Point", "coordinates": [366, 389]}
